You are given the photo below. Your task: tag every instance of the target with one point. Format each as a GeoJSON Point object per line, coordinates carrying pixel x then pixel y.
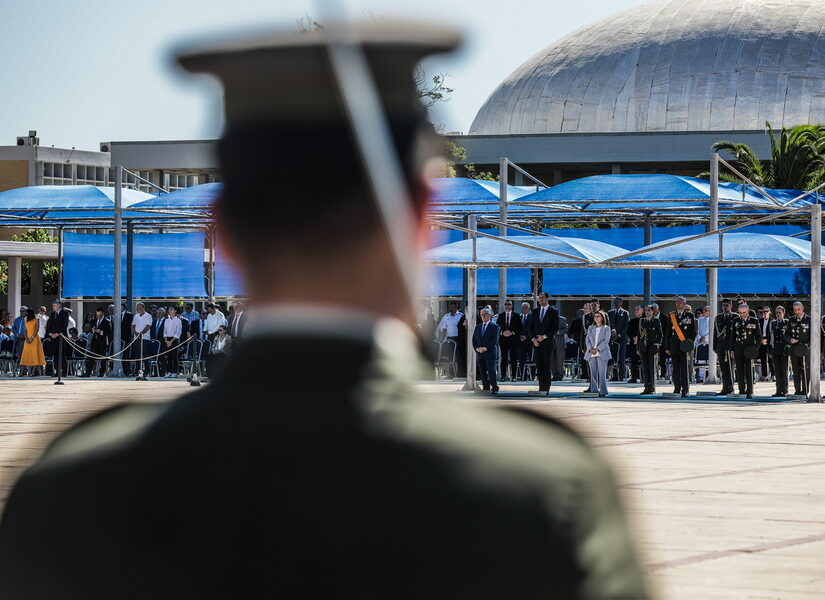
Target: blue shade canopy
{"type": "Point", "coordinates": [64, 201]}
{"type": "Point", "coordinates": [493, 252]}
{"type": "Point", "coordinates": [457, 192]}
{"type": "Point", "coordinates": [198, 197]}
{"type": "Point", "coordinates": [756, 248]}
{"type": "Point", "coordinates": [167, 265]}
{"type": "Point", "coordinates": [603, 192]}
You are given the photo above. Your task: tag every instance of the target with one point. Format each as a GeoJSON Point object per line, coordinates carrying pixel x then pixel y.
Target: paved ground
{"type": "Point", "coordinates": [727, 500]}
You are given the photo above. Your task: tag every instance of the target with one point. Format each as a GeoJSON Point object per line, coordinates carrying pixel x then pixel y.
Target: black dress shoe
{"type": "Point", "coordinates": [632, 381]}
{"type": "Point", "coordinates": [749, 396]}
{"type": "Point", "coordinates": [684, 395]}
{"type": "Point", "coordinates": [495, 390]}
{"type": "Point", "coordinates": [776, 395]}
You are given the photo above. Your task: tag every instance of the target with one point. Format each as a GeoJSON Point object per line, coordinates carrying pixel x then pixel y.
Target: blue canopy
{"type": "Point", "coordinates": [64, 202]}
{"type": "Point", "coordinates": [198, 197]}
{"type": "Point", "coordinates": [457, 191]}
{"type": "Point", "coordinates": [166, 265]}
{"type": "Point", "coordinates": [603, 192]}
{"type": "Point", "coordinates": [496, 252]}
{"type": "Point", "coordinates": [756, 248]}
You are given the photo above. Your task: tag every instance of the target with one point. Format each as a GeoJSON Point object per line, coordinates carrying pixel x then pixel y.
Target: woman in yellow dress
{"type": "Point", "coordinates": [32, 356]}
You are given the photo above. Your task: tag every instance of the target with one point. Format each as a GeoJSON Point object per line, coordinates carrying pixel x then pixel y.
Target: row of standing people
{"type": "Point", "coordinates": [651, 336]}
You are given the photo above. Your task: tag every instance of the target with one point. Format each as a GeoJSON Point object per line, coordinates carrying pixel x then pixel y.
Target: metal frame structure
{"type": "Point", "coordinates": [775, 211]}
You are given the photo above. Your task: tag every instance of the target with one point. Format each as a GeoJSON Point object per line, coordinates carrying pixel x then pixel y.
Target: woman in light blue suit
{"type": "Point", "coordinates": [597, 351]}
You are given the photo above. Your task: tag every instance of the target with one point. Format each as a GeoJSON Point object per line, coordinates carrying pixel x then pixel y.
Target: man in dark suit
{"type": "Point", "coordinates": [101, 337]}
{"type": "Point", "coordinates": [559, 350]}
{"type": "Point", "coordinates": [633, 331]}
{"type": "Point", "coordinates": [485, 343]}
{"type": "Point", "coordinates": [237, 322]}
{"type": "Point", "coordinates": [357, 485]}
{"type": "Point", "coordinates": [510, 327]}
{"type": "Point", "coordinates": [619, 322]}
{"type": "Point", "coordinates": [524, 344]}
{"type": "Point", "coordinates": [664, 320]}
{"type": "Point", "coordinates": [126, 338]}
{"type": "Point", "coordinates": [543, 327]}
{"type": "Point", "coordinates": [56, 327]}
{"type": "Point", "coordinates": [158, 320]}
{"type": "Point", "coordinates": [577, 330]}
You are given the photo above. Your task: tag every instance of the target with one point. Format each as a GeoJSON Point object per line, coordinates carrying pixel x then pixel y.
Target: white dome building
{"type": "Point", "coordinates": [663, 68]}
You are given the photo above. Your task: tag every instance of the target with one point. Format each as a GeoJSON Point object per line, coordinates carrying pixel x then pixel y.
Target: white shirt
{"type": "Point", "coordinates": [139, 321]}
{"type": "Point", "coordinates": [213, 321]}
{"type": "Point", "coordinates": [450, 323]}
{"type": "Point", "coordinates": [702, 329]}
{"type": "Point", "coordinates": [219, 343]}
{"type": "Point", "coordinates": [172, 327]}
{"type": "Point", "coordinates": [42, 329]}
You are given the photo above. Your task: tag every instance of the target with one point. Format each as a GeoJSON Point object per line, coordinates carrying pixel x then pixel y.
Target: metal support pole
{"type": "Point", "coordinates": [60, 262]}
{"type": "Point", "coordinates": [502, 230]}
{"type": "Point", "coordinates": [211, 236]}
{"type": "Point", "coordinates": [712, 274]}
{"type": "Point", "coordinates": [117, 370]}
{"type": "Point", "coordinates": [130, 255]}
{"type": "Point", "coordinates": [816, 302]}
{"type": "Point", "coordinates": [648, 241]}
{"type": "Point", "coordinates": [470, 318]}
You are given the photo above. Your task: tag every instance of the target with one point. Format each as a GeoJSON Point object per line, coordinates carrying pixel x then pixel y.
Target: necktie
{"type": "Point", "coordinates": [235, 322]}
{"type": "Point", "coordinates": [508, 320]}
{"type": "Point", "coordinates": [541, 316]}
{"type": "Point", "coordinates": [483, 328]}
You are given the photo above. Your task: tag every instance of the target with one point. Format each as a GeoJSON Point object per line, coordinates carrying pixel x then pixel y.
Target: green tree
{"type": "Point", "coordinates": [456, 153]}
{"type": "Point", "coordinates": [50, 269]}
{"type": "Point", "coordinates": [797, 159]}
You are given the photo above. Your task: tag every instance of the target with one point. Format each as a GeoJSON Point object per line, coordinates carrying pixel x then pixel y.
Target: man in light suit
{"type": "Point", "coordinates": [485, 343]}
{"type": "Point", "coordinates": [543, 327]}
{"type": "Point", "coordinates": [619, 320]}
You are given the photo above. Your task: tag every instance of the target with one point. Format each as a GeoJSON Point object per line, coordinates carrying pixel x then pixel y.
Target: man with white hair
{"type": "Point", "coordinates": [485, 343]}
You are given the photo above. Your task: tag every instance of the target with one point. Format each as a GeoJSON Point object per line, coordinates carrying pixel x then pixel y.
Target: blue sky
{"type": "Point", "coordinates": [91, 70]}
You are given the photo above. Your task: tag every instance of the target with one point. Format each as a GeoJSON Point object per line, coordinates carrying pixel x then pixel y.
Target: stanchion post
{"type": "Point", "coordinates": [470, 317]}
{"type": "Point", "coordinates": [712, 274]}
{"type": "Point", "coordinates": [648, 232]}
{"type": "Point", "coordinates": [816, 302]}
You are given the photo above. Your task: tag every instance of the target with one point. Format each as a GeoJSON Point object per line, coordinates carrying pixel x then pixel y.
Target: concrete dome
{"type": "Point", "coordinates": [672, 65]}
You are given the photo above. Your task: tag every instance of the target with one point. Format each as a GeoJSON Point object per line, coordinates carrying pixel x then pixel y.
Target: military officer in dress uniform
{"type": "Point", "coordinates": [681, 333]}
{"type": "Point", "coordinates": [798, 335]}
{"type": "Point", "coordinates": [355, 484]}
{"type": "Point", "coordinates": [649, 340]}
{"type": "Point", "coordinates": [723, 345]}
{"type": "Point", "coordinates": [746, 341]}
{"type": "Point", "coordinates": [779, 349]}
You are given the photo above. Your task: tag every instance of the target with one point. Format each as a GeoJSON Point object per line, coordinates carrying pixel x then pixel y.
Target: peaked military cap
{"type": "Point", "coordinates": [290, 75]}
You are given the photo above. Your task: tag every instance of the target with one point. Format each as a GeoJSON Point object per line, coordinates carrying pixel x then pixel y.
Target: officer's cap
{"type": "Point", "coordinates": [289, 76]}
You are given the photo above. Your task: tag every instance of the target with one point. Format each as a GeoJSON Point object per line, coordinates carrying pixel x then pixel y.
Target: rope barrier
{"type": "Point", "coordinates": [100, 357]}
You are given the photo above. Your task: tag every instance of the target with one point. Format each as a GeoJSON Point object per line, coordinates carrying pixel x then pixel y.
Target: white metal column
{"type": "Point", "coordinates": [712, 274]}
{"type": "Point", "coordinates": [15, 283]}
{"type": "Point", "coordinates": [816, 302]}
{"type": "Point", "coordinates": [472, 310]}
{"type": "Point", "coordinates": [502, 230]}
{"type": "Point", "coordinates": [117, 371]}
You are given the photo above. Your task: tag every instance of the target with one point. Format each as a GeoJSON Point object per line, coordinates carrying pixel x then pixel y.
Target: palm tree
{"type": "Point", "coordinates": [797, 159]}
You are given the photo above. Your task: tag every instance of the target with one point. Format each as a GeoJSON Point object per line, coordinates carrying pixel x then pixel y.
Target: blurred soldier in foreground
{"type": "Point", "coordinates": [341, 481]}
